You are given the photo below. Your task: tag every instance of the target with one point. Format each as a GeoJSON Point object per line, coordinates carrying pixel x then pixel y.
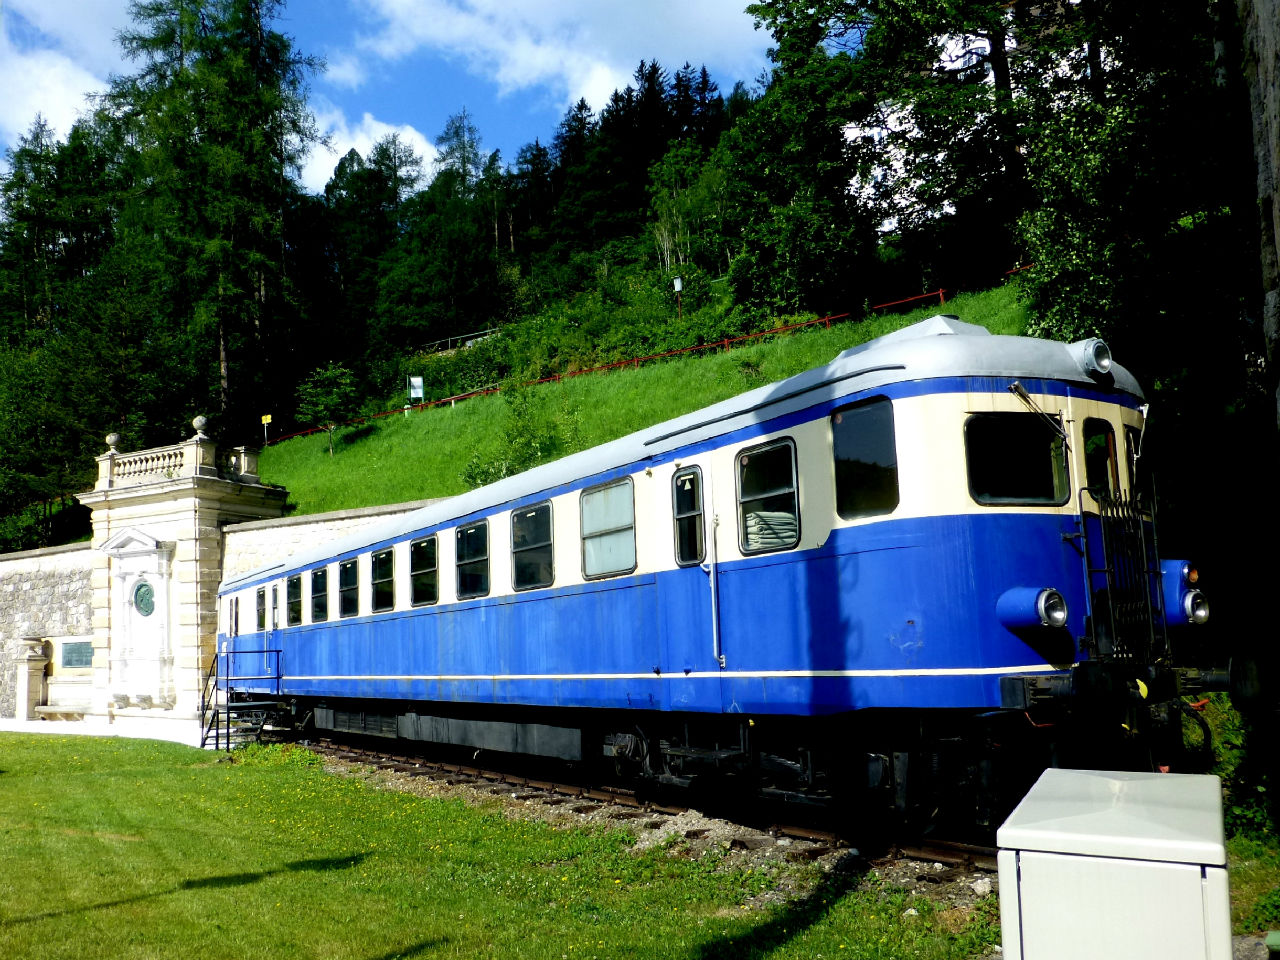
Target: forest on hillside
{"type": "Point", "coordinates": [163, 261]}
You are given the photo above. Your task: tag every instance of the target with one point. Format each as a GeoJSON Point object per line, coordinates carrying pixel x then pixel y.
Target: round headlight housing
{"type": "Point", "coordinates": [1196, 607]}
{"type": "Point", "coordinates": [1096, 357]}
{"type": "Point", "coordinates": [1051, 607]}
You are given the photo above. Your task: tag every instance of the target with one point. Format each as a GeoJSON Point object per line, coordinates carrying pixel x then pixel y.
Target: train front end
{"type": "Point", "coordinates": [1122, 701]}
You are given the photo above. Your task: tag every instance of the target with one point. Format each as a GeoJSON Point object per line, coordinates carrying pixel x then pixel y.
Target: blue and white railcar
{"type": "Point", "coordinates": [941, 521]}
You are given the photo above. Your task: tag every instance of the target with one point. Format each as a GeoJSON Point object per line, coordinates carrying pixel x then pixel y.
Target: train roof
{"type": "Point", "coordinates": [941, 346]}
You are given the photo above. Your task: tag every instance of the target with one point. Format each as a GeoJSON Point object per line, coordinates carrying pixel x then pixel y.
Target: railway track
{"type": "Point", "coordinates": [583, 799]}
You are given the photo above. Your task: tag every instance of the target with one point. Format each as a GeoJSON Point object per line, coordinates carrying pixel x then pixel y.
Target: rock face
{"type": "Point", "coordinates": [43, 593]}
{"type": "Point", "coordinates": [1260, 23]}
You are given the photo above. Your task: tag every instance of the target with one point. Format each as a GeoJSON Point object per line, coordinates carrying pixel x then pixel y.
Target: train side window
{"type": "Point", "coordinates": [382, 580]}
{"type": "Point", "coordinates": [293, 601]}
{"type": "Point", "coordinates": [1016, 458]}
{"type": "Point", "coordinates": [319, 595]}
{"type": "Point", "coordinates": [686, 506]}
{"type": "Point", "coordinates": [275, 606]}
{"type": "Point", "coordinates": [348, 589]}
{"type": "Point", "coordinates": [423, 576]}
{"type": "Point", "coordinates": [532, 555]}
{"type": "Point", "coordinates": [866, 457]}
{"type": "Point", "coordinates": [1101, 467]}
{"type": "Point", "coordinates": [473, 560]}
{"type": "Point", "coordinates": [768, 499]}
{"type": "Point", "coordinates": [233, 618]}
{"type": "Point", "coordinates": [608, 530]}
{"type": "Point", "coordinates": [262, 608]}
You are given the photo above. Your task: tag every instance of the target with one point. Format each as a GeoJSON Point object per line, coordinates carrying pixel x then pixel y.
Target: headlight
{"type": "Point", "coordinates": [1031, 608]}
{"type": "Point", "coordinates": [1183, 602]}
{"type": "Point", "coordinates": [1095, 357]}
{"type": "Point", "coordinates": [1196, 606]}
{"type": "Point", "coordinates": [1052, 608]}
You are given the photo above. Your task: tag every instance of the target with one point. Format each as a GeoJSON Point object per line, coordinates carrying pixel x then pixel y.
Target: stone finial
{"type": "Point", "coordinates": [112, 440]}
{"type": "Point", "coordinates": [200, 423]}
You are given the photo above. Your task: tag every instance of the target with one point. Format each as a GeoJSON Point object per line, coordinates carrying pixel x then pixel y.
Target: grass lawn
{"type": "Point", "coordinates": [397, 459]}
{"type": "Point", "coordinates": [119, 848]}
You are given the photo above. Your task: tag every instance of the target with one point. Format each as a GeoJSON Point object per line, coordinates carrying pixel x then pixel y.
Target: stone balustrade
{"type": "Point", "coordinates": [197, 457]}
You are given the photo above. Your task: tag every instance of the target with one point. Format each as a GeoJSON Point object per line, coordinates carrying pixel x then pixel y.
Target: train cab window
{"type": "Point", "coordinates": [473, 560]}
{"type": "Point", "coordinates": [233, 617]}
{"type": "Point", "coordinates": [382, 580]}
{"type": "Point", "coordinates": [686, 505]}
{"type": "Point", "coordinates": [1016, 458]}
{"type": "Point", "coordinates": [348, 589]}
{"type": "Point", "coordinates": [1101, 466]}
{"type": "Point", "coordinates": [866, 458]}
{"type": "Point", "coordinates": [768, 500]}
{"type": "Point", "coordinates": [423, 576]}
{"type": "Point", "coordinates": [532, 557]}
{"type": "Point", "coordinates": [319, 595]}
{"type": "Point", "coordinates": [262, 608]}
{"type": "Point", "coordinates": [293, 601]}
{"type": "Point", "coordinates": [608, 530]}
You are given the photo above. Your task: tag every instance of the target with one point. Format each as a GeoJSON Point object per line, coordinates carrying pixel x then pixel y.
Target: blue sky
{"type": "Point", "coordinates": [404, 65]}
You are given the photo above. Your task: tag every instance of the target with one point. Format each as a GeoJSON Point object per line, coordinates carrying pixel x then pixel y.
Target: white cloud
{"type": "Point", "coordinates": [85, 32]}
{"type": "Point", "coordinates": [574, 48]}
{"type": "Point", "coordinates": [346, 71]}
{"type": "Point", "coordinates": [345, 136]}
{"type": "Point", "coordinates": [53, 55]}
{"type": "Point", "coordinates": [41, 82]}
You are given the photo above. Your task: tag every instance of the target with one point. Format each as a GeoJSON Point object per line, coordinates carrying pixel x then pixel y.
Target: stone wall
{"type": "Point", "coordinates": [43, 593]}
{"type": "Point", "coordinates": [247, 546]}
{"type": "Point", "coordinates": [51, 593]}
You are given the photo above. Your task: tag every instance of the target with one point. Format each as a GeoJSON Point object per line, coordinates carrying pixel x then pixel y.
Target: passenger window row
{"type": "Point", "coordinates": [768, 508]}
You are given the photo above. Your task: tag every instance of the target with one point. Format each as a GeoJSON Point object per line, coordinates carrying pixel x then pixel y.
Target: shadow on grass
{"type": "Point", "coordinates": [353, 435]}
{"type": "Point", "coordinates": [206, 883]}
{"type": "Point", "coordinates": [414, 950]}
{"type": "Point", "coordinates": [793, 919]}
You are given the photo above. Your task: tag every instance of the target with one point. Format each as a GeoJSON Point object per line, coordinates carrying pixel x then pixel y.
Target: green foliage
{"type": "Point", "coordinates": [1266, 912]}
{"type": "Point", "coordinates": [529, 438]}
{"type": "Point", "coordinates": [1248, 807]}
{"type": "Point", "coordinates": [326, 398]}
{"type": "Point", "coordinates": [276, 755]}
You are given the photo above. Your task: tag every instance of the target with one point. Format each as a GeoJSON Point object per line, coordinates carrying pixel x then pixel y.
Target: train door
{"type": "Point", "coordinates": [272, 652]}
{"type": "Point", "coordinates": [689, 601]}
{"type": "Point", "coordinates": [1123, 571]}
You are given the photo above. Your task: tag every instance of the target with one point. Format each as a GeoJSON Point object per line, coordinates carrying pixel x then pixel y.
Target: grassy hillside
{"type": "Point", "coordinates": [443, 451]}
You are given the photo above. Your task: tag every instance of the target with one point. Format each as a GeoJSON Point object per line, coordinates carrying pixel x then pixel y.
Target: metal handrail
{"type": "Point", "coordinates": [222, 681]}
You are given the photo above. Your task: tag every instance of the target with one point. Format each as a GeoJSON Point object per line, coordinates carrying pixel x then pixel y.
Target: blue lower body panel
{"type": "Point", "coordinates": [892, 614]}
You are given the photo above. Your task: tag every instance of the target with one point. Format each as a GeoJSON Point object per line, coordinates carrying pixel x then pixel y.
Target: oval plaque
{"type": "Point", "coordinates": [144, 598]}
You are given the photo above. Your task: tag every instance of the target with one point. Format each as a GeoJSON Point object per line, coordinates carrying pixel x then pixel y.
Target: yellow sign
{"type": "Point", "coordinates": [266, 418]}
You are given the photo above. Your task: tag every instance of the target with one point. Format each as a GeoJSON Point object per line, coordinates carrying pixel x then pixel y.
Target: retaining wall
{"type": "Point", "coordinates": [43, 593]}
{"type": "Point", "coordinates": [247, 546]}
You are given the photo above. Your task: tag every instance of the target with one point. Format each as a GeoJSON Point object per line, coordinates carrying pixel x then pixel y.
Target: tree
{"type": "Point", "coordinates": [806, 244]}
{"type": "Point", "coordinates": [326, 397]}
{"type": "Point", "coordinates": [459, 152]}
{"type": "Point", "coordinates": [218, 113]}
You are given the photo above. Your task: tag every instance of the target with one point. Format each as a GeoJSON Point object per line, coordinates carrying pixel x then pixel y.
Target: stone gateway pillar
{"type": "Point", "coordinates": [157, 540]}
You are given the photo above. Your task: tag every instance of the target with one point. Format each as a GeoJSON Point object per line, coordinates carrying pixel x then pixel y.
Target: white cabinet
{"type": "Point", "coordinates": [1103, 864]}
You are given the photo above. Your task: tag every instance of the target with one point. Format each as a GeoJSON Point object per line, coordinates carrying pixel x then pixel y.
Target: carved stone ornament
{"type": "Point", "coordinates": [144, 598]}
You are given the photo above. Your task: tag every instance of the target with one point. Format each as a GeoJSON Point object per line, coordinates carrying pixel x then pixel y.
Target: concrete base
{"type": "Point", "coordinates": [184, 730]}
